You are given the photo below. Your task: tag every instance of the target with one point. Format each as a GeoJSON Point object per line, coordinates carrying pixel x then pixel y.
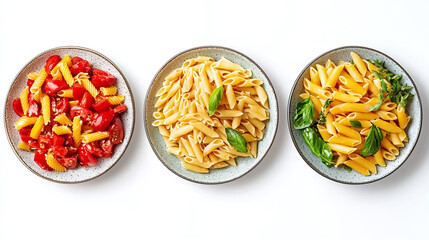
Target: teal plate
{"type": "Point", "coordinates": [414, 109]}
{"type": "Point", "coordinates": [244, 164]}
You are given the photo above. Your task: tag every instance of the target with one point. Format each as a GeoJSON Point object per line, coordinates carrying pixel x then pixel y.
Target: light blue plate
{"type": "Point", "coordinates": [414, 109]}
{"type": "Point", "coordinates": [244, 165]}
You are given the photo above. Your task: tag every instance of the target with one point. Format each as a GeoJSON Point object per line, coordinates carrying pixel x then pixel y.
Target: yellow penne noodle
{"type": "Point", "coordinates": [345, 97]}
{"type": "Point", "coordinates": [24, 100]}
{"type": "Point", "coordinates": [315, 89]}
{"type": "Point", "coordinates": [87, 138]}
{"type": "Point", "coordinates": [341, 159]}
{"type": "Point", "coordinates": [54, 164]}
{"type": "Point", "coordinates": [359, 63]}
{"type": "Point", "coordinates": [66, 74]}
{"type": "Point", "coordinates": [333, 77]}
{"type": "Point", "coordinates": [347, 131]}
{"type": "Point", "coordinates": [386, 126]}
{"type": "Point", "coordinates": [341, 148]}
{"type": "Point", "coordinates": [379, 158]}
{"type": "Point", "coordinates": [357, 167]}
{"type": "Point", "coordinates": [61, 130]}
{"type": "Point", "coordinates": [403, 119]}
{"type": "Point", "coordinates": [351, 69]}
{"type": "Point", "coordinates": [46, 108]}
{"type": "Point", "coordinates": [362, 116]}
{"type": "Point", "coordinates": [37, 128]}
{"type": "Point", "coordinates": [322, 74]}
{"type": "Point", "coordinates": [344, 140]}
{"type": "Point", "coordinates": [314, 76]}
{"type": "Point", "coordinates": [363, 162]}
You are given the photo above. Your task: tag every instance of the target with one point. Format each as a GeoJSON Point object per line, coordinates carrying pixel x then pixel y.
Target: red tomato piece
{"type": "Point", "coordinates": [76, 60]}
{"type": "Point", "coordinates": [45, 142]}
{"type": "Point", "coordinates": [87, 100]}
{"type": "Point", "coordinates": [59, 151]}
{"type": "Point", "coordinates": [71, 151]}
{"type": "Point", "coordinates": [17, 107]}
{"type": "Point", "coordinates": [106, 146]}
{"type": "Point", "coordinates": [102, 120]}
{"type": "Point", "coordinates": [53, 86]}
{"type": "Point", "coordinates": [120, 109]}
{"type": "Point", "coordinates": [40, 159]}
{"type": "Point", "coordinates": [101, 78]}
{"type": "Point", "coordinates": [30, 83]}
{"type": "Point", "coordinates": [68, 142]}
{"type": "Point", "coordinates": [52, 62]}
{"type": "Point", "coordinates": [86, 158]}
{"type": "Point", "coordinates": [93, 149]}
{"type": "Point", "coordinates": [62, 105]}
{"type": "Point", "coordinates": [116, 131]}
{"type": "Point", "coordinates": [25, 134]}
{"type": "Point", "coordinates": [81, 66]}
{"type": "Point", "coordinates": [68, 162]}
{"type": "Point", "coordinates": [33, 144]}
{"type": "Point", "coordinates": [58, 140]}
{"type": "Point", "coordinates": [33, 109]}
{"type": "Point", "coordinates": [85, 114]}
{"type": "Point", "coordinates": [102, 105]}
{"type": "Point", "coordinates": [78, 91]}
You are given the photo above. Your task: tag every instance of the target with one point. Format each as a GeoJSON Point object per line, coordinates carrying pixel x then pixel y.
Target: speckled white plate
{"type": "Point", "coordinates": [244, 165]}
{"type": "Point", "coordinates": [414, 109]}
{"type": "Point", "coordinates": [79, 174]}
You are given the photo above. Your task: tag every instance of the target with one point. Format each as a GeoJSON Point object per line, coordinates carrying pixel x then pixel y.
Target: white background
{"type": "Point", "coordinates": [283, 198]}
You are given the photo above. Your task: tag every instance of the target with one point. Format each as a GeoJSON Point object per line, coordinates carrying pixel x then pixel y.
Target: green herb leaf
{"type": "Point", "coordinates": [304, 114]}
{"type": "Point", "coordinates": [323, 114]}
{"type": "Point", "coordinates": [355, 124]}
{"type": "Point", "coordinates": [372, 142]}
{"type": "Point", "coordinates": [378, 105]}
{"type": "Point", "coordinates": [378, 75]}
{"type": "Point", "coordinates": [236, 140]}
{"type": "Point", "coordinates": [317, 145]}
{"type": "Point", "coordinates": [349, 169]}
{"type": "Point", "coordinates": [214, 100]}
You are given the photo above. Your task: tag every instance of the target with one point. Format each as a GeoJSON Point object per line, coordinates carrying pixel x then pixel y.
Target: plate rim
{"type": "Point", "coordinates": [21, 71]}
{"type": "Point", "coordinates": [291, 127]}
{"type": "Point", "coordinates": [146, 109]}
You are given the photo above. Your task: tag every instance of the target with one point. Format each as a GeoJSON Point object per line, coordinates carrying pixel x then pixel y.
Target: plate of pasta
{"type": "Point", "coordinates": [211, 114]}
{"type": "Point", "coordinates": [69, 114]}
{"type": "Point", "coordinates": [354, 115]}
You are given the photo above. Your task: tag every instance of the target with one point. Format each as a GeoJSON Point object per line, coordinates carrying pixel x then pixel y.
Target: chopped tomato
{"type": "Point", "coordinates": [87, 100]}
{"type": "Point", "coordinates": [40, 159]}
{"type": "Point", "coordinates": [81, 66]}
{"type": "Point", "coordinates": [58, 140]}
{"type": "Point", "coordinates": [71, 151]}
{"type": "Point", "coordinates": [45, 142]}
{"type": "Point", "coordinates": [102, 105]}
{"type": "Point", "coordinates": [33, 109]}
{"type": "Point", "coordinates": [17, 107]}
{"type": "Point", "coordinates": [30, 83]}
{"type": "Point", "coordinates": [101, 78]}
{"type": "Point", "coordinates": [52, 87]}
{"type": "Point", "coordinates": [33, 144]}
{"type": "Point", "coordinates": [62, 105]}
{"type": "Point", "coordinates": [68, 162]}
{"type": "Point", "coordinates": [25, 134]}
{"type": "Point", "coordinates": [51, 63]}
{"type": "Point", "coordinates": [76, 60]}
{"type": "Point", "coordinates": [59, 151]}
{"type": "Point", "coordinates": [120, 109]}
{"type": "Point", "coordinates": [86, 158]}
{"type": "Point", "coordinates": [93, 149]}
{"type": "Point", "coordinates": [78, 91]}
{"type": "Point", "coordinates": [106, 146]}
{"type": "Point", "coordinates": [85, 114]}
{"type": "Point", "coordinates": [68, 140]}
{"type": "Point", "coordinates": [102, 120]}
{"type": "Point", "coordinates": [116, 131]}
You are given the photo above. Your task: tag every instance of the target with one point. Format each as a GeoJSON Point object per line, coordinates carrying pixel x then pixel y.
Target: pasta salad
{"type": "Point", "coordinates": [69, 114]}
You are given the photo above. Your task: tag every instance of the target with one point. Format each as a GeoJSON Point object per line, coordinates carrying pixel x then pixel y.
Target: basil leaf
{"type": "Point", "coordinates": [317, 146]}
{"type": "Point", "coordinates": [373, 142]}
{"type": "Point", "coordinates": [355, 124]}
{"type": "Point", "coordinates": [214, 100]}
{"type": "Point", "coordinates": [378, 105]}
{"type": "Point", "coordinates": [304, 114]}
{"type": "Point", "coordinates": [349, 169]}
{"type": "Point", "coordinates": [236, 140]}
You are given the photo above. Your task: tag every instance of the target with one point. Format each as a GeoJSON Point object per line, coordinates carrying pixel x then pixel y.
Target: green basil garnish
{"type": "Point", "coordinates": [349, 169]}
{"type": "Point", "coordinates": [304, 114]}
{"type": "Point", "coordinates": [373, 142]}
{"type": "Point", "coordinates": [236, 140]}
{"type": "Point", "coordinates": [318, 146]}
{"type": "Point", "coordinates": [355, 124]}
{"type": "Point", "coordinates": [214, 100]}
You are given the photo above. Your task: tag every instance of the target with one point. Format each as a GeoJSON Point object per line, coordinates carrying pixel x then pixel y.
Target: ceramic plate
{"type": "Point", "coordinates": [79, 174]}
{"type": "Point", "coordinates": [244, 165]}
{"type": "Point", "coordinates": [414, 109]}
